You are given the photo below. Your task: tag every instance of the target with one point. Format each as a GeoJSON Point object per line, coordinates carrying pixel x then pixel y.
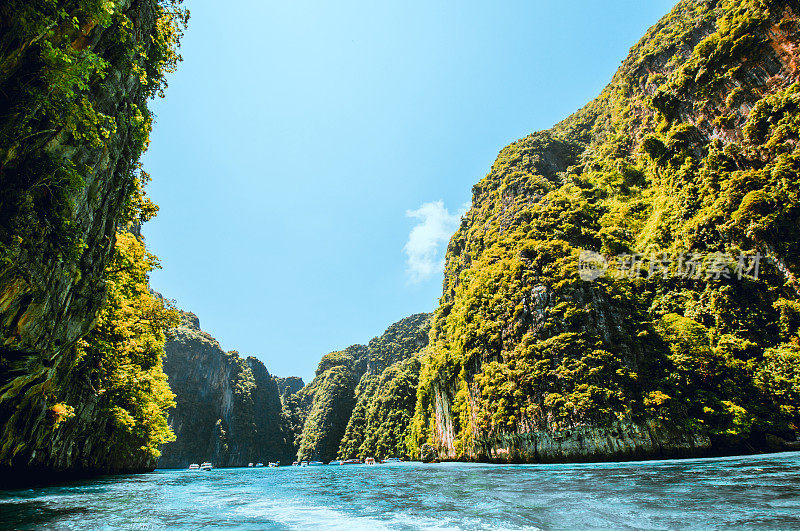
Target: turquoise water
{"type": "Point", "coordinates": [745, 492]}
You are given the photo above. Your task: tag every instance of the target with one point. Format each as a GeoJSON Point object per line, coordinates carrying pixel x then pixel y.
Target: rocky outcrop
{"type": "Point", "coordinates": [386, 394]}
{"type": "Point", "coordinates": [228, 408]}
{"type": "Point", "coordinates": [692, 150]}
{"type": "Point", "coordinates": [428, 453]}
{"type": "Point", "coordinates": [50, 293]}
{"type": "Point", "coordinates": [339, 408]}
{"type": "Point", "coordinates": [327, 403]}
{"type": "Point", "coordinates": [74, 121]}
{"type": "Point", "coordinates": [618, 441]}
{"type": "Point", "coordinates": [288, 386]}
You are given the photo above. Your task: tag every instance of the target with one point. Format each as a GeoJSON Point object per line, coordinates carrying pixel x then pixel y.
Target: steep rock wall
{"type": "Point", "coordinates": [288, 386]}
{"type": "Point", "coordinates": [361, 400]}
{"type": "Point", "coordinates": [386, 393]}
{"type": "Point", "coordinates": [692, 149]}
{"type": "Point", "coordinates": [75, 78]}
{"type": "Point", "coordinates": [228, 408]}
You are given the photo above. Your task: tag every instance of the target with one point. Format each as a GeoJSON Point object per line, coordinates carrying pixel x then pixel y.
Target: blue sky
{"type": "Point", "coordinates": [311, 159]}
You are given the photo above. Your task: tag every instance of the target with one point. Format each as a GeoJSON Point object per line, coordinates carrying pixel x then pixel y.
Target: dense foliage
{"type": "Point", "coordinates": [692, 150]}
{"type": "Point", "coordinates": [380, 421]}
{"type": "Point", "coordinates": [75, 80]}
{"type": "Point", "coordinates": [121, 358]}
{"type": "Point", "coordinates": [362, 398]}
{"type": "Point", "coordinates": [54, 75]}
{"type": "Point", "coordinates": [385, 396]}
{"type": "Point", "coordinates": [330, 403]}
{"type": "Point", "coordinates": [288, 386]}
{"type": "Point", "coordinates": [112, 392]}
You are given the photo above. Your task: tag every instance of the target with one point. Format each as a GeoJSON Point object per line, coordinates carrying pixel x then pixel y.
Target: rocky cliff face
{"type": "Point", "coordinates": [228, 408]}
{"type": "Point", "coordinates": [75, 78]}
{"type": "Point", "coordinates": [334, 409]}
{"type": "Point", "coordinates": [688, 158]}
{"type": "Point", "coordinates": [51, 292]}
{"type": "Point", "coordinates": [288, 386]}
{"type": "Point", "coordinates": [325, 405]}
{"type": "Point", "coordinates": [386, 394]}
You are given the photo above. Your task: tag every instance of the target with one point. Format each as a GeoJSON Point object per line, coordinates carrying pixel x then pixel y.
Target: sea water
{"type": "Point", "coordinates": [743, 492]}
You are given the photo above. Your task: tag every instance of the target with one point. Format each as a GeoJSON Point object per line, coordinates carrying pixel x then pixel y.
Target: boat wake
{"type": "Point", "coordinates": [299, 514]}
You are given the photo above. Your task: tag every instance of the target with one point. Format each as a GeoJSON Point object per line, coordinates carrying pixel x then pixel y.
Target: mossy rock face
{"type": "Point", "coordinates": [428, 454]}
{"type": "Point", "coordinates": [75, 81]}
{"type": "Point", "coordinates": [362, 399]}
{"type": "Point", "coordinates": [289, 385]}
{"type": "Point", "coordinates": [102, 408]}
{"type": "Point", "coordinates": [228, 411]}
{"type": "Point", "coordinates": [692, 149]}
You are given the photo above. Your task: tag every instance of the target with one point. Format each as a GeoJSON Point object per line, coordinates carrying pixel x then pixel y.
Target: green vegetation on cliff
{"type": "Point", "coordinates": [106, 404]}
{"type": "Point", "coordinates": [380, 421]}
{"type": "Point", "coordinates": [228, 407]}
{"type": "Point", "coordinates": [121, 359]}
{"type": "Point", "coordinates": [362, 398]}
{"type": "Point", "coordinates": [75, 80]}
{"type": "Point", "coordinates": [289, 385]}
{"type": "Point", "coordinates": [385, 396]}
{"type": "Point", "coordinates": [691, 150]}
{"type": "Point", "coordinates": [330, 398]}
{"type": "Point", "coordinates": [64, 67]}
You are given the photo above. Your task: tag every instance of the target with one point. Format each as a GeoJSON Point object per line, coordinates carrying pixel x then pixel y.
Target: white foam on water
{"type": "Point", "coordinates": [299, 515]}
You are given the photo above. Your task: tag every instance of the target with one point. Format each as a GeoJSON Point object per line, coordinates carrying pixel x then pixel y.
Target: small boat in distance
{"type": "Point", "coordinates": [369, 461]}
{"type": "Point", "coordinates": [335, 462]}
{"type": "Point", "coordinates": [194, 466]}
{"type": "Point", "coordinates": [315, 463]}
{"type": "Point", "coordinates": [295, 463]}
{"type": "Point", "coordinates": [351, 462]}
{"type": "Point", "coordinates": [259, 465]}
{"type": "Point", "coordinates": [275, 464]}
{"type": "Point", "coordinates": [392, 460]}
{"type": "Point", "coordinates": [250, 465]}
{"type": "Point", "coordinates": [303, 463]}
{"type": "Point", "coordinates": [206, 466]}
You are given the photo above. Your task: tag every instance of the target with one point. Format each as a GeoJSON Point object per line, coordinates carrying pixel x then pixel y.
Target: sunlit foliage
{"type": "Point", "coordinates": [693, 148]}
{"type": "Point", "coordinates": [121, 358]}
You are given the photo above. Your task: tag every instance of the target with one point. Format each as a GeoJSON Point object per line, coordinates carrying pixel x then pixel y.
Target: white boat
{"type": "Point", "coordinates": [194, 466]}
{"type": "Point", "coordinates": [369, 461]}
{"type": "Point", "coordinates": [206, 466]}
{"type": "Point", "coordinates": [274, 465]}
{"type": "Point", "coordinates": [315, 463]}
{"type": "Point", "coordinates": [249, 464]}
{"type": "Point", "coordinates": [303, 463]}
{"type": "Point", "coordinates": [259, 465]}
{"type": "Point", "coordinates": [392, 460]}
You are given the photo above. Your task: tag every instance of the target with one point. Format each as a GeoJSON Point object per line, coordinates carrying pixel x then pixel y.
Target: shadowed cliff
{"type": "Point", "coordinates": [228, 409]}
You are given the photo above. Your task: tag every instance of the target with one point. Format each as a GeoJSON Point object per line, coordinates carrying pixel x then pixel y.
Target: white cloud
{"type": "Point", "coordinates": [428, 239]}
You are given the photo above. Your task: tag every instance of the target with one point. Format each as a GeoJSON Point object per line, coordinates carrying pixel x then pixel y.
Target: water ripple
{"type": "Point", "coordinates": [742, 492]}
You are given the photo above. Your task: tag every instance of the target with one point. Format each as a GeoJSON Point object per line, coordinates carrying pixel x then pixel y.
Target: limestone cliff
{"type": "Point", "coordinates": [362, 398]}
{"type": "Point", "coordinates": [675, 181]}
{"type": "Point", "coordinates": [386, 394]}
{"type": "Point", "coordinates": [324, 406]}
{"type": "Point", "coordinates": [75, 78]}
{"type": "Point", "coordinates": [288, 386]}
{"type": "Point", "coordinates": [228, 408]}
